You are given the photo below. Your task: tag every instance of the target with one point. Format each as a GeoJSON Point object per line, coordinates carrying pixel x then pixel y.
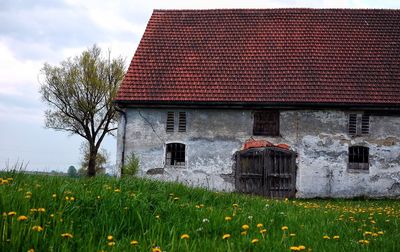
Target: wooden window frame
{"type": "Point", "coordinates": [358, 158]}
{"type": "Point", "coordinates": [266, 123]}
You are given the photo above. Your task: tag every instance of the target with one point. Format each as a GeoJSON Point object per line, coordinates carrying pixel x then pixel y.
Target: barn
{"type": "Point", "coordinates": [277, 102]}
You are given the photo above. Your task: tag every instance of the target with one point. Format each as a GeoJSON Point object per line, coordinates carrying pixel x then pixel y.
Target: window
{"type": "Point", "coordinates": [175, 154]}
{"type": "Point", "coordinates": [358, 124]}
{"type": "Point", "coordinates": [170, 126]}
{"type": "Point", "coordinates": [358, 158]}
{"type": "Point", "coordinates": [266, 123]}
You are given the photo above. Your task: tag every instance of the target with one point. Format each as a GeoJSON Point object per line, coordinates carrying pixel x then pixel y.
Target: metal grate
{"type": "Point", "coordinates": [266, 123]}
{"type": "Point", "coordinates": [352, 124]}
{"type": "Point", "coordinates": [170, 121]}
{"type": "Point", "coordinates": [364, 124]}
{"type": "Point", "coordinates": [359, 157]}
{"type": "Point", "coordinates": [175, 154]}
{"type": "Point", "coordinates": [182, 122]}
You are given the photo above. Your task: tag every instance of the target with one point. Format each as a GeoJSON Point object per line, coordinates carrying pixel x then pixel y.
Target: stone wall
{"type": "Point", "coordinates": [319, 137]}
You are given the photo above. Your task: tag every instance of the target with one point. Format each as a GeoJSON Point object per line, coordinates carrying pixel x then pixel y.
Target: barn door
{"type": "Point", "coordinates": [266, 171]}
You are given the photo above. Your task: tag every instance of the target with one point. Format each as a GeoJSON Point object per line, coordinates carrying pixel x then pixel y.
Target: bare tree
{"type": "Point", "coordinates": [79, 93]}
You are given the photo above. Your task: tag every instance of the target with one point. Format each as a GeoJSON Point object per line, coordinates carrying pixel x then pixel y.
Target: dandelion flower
{"type": "Point", "coordinates": [326, 237]}
{"type": "Point", "coordinates": [245, 227]}
{"type": "Point", "coordinates": [228, 218]}
{"type": "Point", "coordinates": [235, 205]}
{"type": "Point", "coordinates": [12, 213]}
{"type": "Point", "coordinates": [37, 228]}
{"type": "Point", "coordinates": [336, 237]}
{"type": "Point", "coordinates": [294, 248]}
{"type": "Point", "coordinates": [380, 232]}
{"type": "Point", "coordinates": [254, 241]}
{"type": "Point", "coordinates": [156, 249]}
{"type": "Point", "coordinates": [260, 225]}
{"type": "Point", "coordinates": [301, 247]}
{"type": "Point", "coordinates": [111, 244]}
{"type": "Point", "coordinates": [72, 198]}
{"type": "Point", "coordinates": [41, 209]}
{"type": "Point", "coordinates": [185, 236]}
{"type": "Point", "coordinates": [110, 238]}
{"type": "Point", "coordinates": [262, 231]}
{"type": "Point", "coordinates": [284, 228]}
{"type": "Point", "coordinates": [226, 236]}
{"type": "Point", "coordinates": [22, 218]}
{"type": "Point", "coordinates": [67, 235]}
{"type": "Point", "coordinates": [54, 196]}
{"type": "Point", "coordinates": [117, 190]}
{"type": "Point", "coordinates": [134, 242]}
{"type": "Point", "coordinates": [31, 250]}
{"type": "Point", "coordinates": [292, 234]}
{"type": "Point", "coordinates": [243, 233]}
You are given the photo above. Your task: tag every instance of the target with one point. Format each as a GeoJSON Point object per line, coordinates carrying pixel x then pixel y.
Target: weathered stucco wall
{"type": "Point", "coordinates": [319, 137]}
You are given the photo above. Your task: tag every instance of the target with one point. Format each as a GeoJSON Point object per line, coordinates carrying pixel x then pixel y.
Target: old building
{"type": "Point", "coordinates": [322, 87]}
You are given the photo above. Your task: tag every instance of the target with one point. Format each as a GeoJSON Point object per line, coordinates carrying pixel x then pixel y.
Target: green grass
{"type": "Point", "coordinates": [157, 214]}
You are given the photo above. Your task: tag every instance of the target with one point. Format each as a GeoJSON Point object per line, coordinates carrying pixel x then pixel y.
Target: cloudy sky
{"type": "Point", "coordinates": [33, 32]}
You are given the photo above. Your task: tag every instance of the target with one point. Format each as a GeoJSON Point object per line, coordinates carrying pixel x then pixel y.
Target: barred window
{"type": "Point", "coordinates": [182, 122]}
{"type": "Point", "coordinates": [175, 154]}
{"type": "Point", "coordinates": [266, 123]}
{"type": "Point", "coordinates": [358, 124]}
{"type": "Point", "coordinates": [170, 121]}
{"type": "Point", "coordinates": [358, 158]}
{"type": "Point", "coordinates": [170, 125]}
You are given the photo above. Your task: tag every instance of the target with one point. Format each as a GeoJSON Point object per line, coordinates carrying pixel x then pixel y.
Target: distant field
{"type": "Point", "coordinates": [63, 214]}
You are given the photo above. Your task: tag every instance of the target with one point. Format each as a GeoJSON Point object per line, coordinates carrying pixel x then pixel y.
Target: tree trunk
{"type": "Point", "coordinates": [91, 172]}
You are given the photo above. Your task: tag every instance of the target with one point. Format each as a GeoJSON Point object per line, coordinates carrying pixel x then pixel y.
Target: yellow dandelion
{"type": "Point", "coordinates": [37, 228]}
{"type": "Point", "coordinates": [245, 227]}
{"type": "Point", "coordinates": [176, 198]}
{"type": "Point", "coordinates": [367, 233]}
{"type": "Point", "coordinates": [28, 193]}
{"type": "Point", "coordinates": [54, 195]}
{"type": "Point", "coordinates": [375, 234]}
{"type": "Point", "coordinates": [134, 242]}
{"type": "Point", "coordinates": [260, 225]}
{"type": "Point", "coordinates": [156, 249]}
{"type": "Point", "coordinates": [67, 235]}
{"type": "Point", "coordinates": [66, 198]}
{"type": "Point", "coordinates": [326, 237]}
{"type": "Point", "coordinates": [292, 234]}
{"type": "Point", "coordinates": [226, 236]}
{"type": "Point", "coordinates": [228, 218]}
{"type": "Point", "coordinates": [294, 248]}
{"type": "Point", "coordinates": [336, 237]}
{"type": "Point", "coordinates": [301, 247]}
{"type": "Point", "coordinates": [185, 236]}
{"type": "Point", "coordinates": [157, 216]}
{"type": "Point", "coordinates": [72, 198]}
{"type": "Point", "coordinates": [12, 213]}
{"type": "Point", "coordinates": [52, 215]}
{"type": "Point", "coordinates": [31, 250]}
{"type": "Point", "coordinates": [380, 232]}
{"type": "Point", "coordinates": [284, 228]}
{"type": "Point", "coordinates": [41, 209]}
{"type": "Point", "coordinates": [235, 205]}
{"type": "Point", "coordinates": [243, 233]}
{"type": "Point", "coordinates": [33, 210]}
{"type": "Point", "coordinates": [110, 238]}
{"type": "Point", "coordinates": [263, 231]}
{"type": "Point", "coordinates": [111, 243]}
{"type": "Point", "coordinates": [117, 190]}
{"type": "Point", "coordinates": [254, 241]}
{"type": "Point", "coordinates": [22, 218]}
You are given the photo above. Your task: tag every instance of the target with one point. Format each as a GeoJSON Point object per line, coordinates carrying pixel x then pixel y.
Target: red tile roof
{"type": "Point", "coordinates": [267, 56]}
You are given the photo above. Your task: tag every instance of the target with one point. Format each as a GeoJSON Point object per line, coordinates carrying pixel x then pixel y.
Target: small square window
{"type": "Point", "coordinates": [175, 154]}
{"type": "Point", "coordinates": [266, 123]}
{"type": "Point", "coordinates": [359, 158]}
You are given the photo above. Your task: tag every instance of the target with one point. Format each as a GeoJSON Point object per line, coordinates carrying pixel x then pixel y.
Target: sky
{"type": "Point", "coordinates": [34, 32]}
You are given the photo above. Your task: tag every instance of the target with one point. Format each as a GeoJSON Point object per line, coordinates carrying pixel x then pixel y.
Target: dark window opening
{"type": "Point", "coordinates": [170, 121]}
{"type": "Point", "coordinates": [175, 154]}
{"type": "Point", "coordinates": [182, 122]}
{"type": "Point", "coordinates": [266, 123]}
{"type": "Point", "coordinates": [358, 124]}
{"type": "Point", "coordinates": [359, 157]}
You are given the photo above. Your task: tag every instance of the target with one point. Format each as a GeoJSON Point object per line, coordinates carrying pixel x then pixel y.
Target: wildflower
{"type": "Point", "coordinates": [254, 241]}
{"type": "Point", "coordinates": [110, 238]}
{"type": "Point", "coordinates": [41, 209]}
{"type": "Point", "coordinates": [157, 217]}
{"type": "Point", "coordinates": [134, 242]}
{"type": "Point", "coordinates": [4, 181]}
{"type": "Point", "coordinates": [301, 247]}
{"type": "Point", "coordinates": [176, 198]}
{"type": "Point", "coordinates": [292, 234]}
{"type": "Point", "coordinates": [54, 196]}
{"type": "Point", "coordinates": [33, 210]}
{"type": "Point", "coordinates": [67, 235]}
{"type": "Point", "coordinates": [245, 227]}
{"type": "Point", "coordinates": [375, 234]}
{"type": "Point", "coordinates": [205, 220]}
{"type": "Point", "coordinates": [37, 228]}
{"type": "Point", "coordinates": [31, 250]}
{"type": "Point", "coordinates": [284, 228]}
{"type": "Point", "coordinates": [336, 237]}
{"type": "Point", "coordinates": [260, 225]}
{"type": "Point", "coordinates": [250, 217]}
{"type": "Point", "coordinates": [156, 249]}
{"type": "Point", "coordinates": [363, 242]}
{"type": "Point", "coordinates": [294, 248]}
{"type": "Point", "coordinates": [52, 215]}
{"type": "Point", "coordinates": [72, 198]}
{"type": "Point", "coordinates": [12, 213]}
{"type": "Point", "coordinates": [228, 218]}
{"type": "Point", "coordinates": [185, 236]}
{"type": "Point", "coordinates": [28, 193]}
{"type": "Point", "coordinates": [380, 232]}
{"type": "Point", "coordinates": [22, 218]}
{"type": "Point", "coordinates": [117, 190]}
{"type": "Point", "coordinates": [66, 198]}
{"type": "Point", "coordinates": [111, 243]}
{"type": "Point", "coordinates": [235, 205]}
{"type": "Point", "coordinates": [367, 233]}
{"type": "Point", "coordinates": [326, 237]}
{"type": "Point", "coordinates": [243, 233]}
{"type": "Point", "coordinates": [226, 236]}
{"type": "Point", "coordinates": [263, 231]}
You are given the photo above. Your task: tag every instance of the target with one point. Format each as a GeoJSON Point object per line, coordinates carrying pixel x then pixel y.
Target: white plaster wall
{"type": "Point", "coordinates": [319, 137]}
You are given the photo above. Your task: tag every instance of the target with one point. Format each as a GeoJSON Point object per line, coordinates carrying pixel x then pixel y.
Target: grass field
{"type": "Point", "coordinates": [63, 214]}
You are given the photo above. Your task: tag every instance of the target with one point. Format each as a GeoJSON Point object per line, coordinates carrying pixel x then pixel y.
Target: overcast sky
{"type": "Point", "coordinates": [33, 32]}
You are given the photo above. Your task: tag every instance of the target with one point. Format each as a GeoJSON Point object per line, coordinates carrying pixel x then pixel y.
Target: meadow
{"type": "Point", "coordinates": [44, 213]}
